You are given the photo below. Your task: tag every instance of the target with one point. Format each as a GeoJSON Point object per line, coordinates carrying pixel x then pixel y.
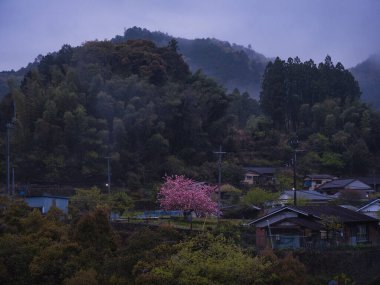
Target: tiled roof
{"type": "Point", "coordinates": [46, 190]}
{"type": "Point", "coordinates": [309, 195]}
{"type": "Point", "coordinates": [337, 183]}
{"type": "Point", "coordinates": [369, 203]}
{"type": "Point", "coordinates": [262, 170]}
{"type": "Point", "coordinates": [344, 214]}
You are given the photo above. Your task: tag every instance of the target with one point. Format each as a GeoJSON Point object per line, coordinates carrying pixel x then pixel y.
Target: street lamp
{"type": "Point", "coordinates": [108, 184]}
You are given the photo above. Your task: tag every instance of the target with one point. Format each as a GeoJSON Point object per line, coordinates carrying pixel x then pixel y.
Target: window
{"type": "Point", "coordinates": [361, 235]}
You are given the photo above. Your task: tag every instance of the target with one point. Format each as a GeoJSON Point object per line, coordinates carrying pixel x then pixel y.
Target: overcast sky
{"type": "Point", "coordinates": [348, 30]}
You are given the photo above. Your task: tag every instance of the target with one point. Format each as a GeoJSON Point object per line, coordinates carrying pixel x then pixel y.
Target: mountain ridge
{"type": "Point", "coordinates": [231, 65]}
{"type": "Point", "coordinates": [367, 73]}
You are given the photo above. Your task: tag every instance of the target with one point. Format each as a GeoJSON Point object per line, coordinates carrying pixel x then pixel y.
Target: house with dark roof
{"type": "Point", "coordinates": [45, 196]}
{"type": "Point", "coordinates": [355, 188]}
{"type": "Point", "coordinates": [314, 227]}
{"type": "Point", "coordinates": [313, 181]}
{"type": "Point", "coordinates": [44, 203]}
{"type": "Point", "coordinates": [259, 176]}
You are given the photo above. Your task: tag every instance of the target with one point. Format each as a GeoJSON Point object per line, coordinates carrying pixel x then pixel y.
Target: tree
{"type": "Point", "coordinates": [206, 259]}
{"type": "Point", "coordinates": [83, 277]}
{"type": "Point", "coordinates": [258, 196]}
{"type": "Point", "coordinates": [86, 200]}
{"type": "Point", "coordinates": [181, 193]}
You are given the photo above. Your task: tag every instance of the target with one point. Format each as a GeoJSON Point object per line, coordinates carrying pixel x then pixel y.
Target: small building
{"type": "Point", "coordinates": [43, 196]}
{"type": "Point", "coordinates": [45, 202]}
{"type": "Point", "coordinates": [259, 176]}
{"type": "Point", "coordinates": [372, 208]}
{"type": "Point", "coordinates": [313, 181]}
{"type": "Point", "coordinates": [308, 227]}
{"type": "Point", "coordinates": [355, 188]}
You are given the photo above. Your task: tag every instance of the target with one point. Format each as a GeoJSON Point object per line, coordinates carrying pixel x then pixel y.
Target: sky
{"type": "Point", "coordinates": [347, 30]}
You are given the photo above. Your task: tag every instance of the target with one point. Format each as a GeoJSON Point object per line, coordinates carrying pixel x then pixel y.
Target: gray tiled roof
{"type": "Point", "coordinates": [262, 170]}
{"type": "Point", "coordinates": [344, 214]}
{"type": "Point", "coordinates": [309, 195]}
{"type": "Point", "coordinates": [337, 183]}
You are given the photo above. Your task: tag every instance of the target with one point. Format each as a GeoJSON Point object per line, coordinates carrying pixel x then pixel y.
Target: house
{"type": "Point", "coordinates": [373, 181]}
{"type": "Point", "coordinates": [309, 197]}
{"type": "Point", "coordinates": [313, 181]}
{"type": "Point", "coordinates": [371, 208]}
{"type": "Point", "coordinates": [314, 227]}
{"type": "Point", "coordinates": [44, 196]}
{"type": "Point", "coordinates": [259, 176]}
{"type": "Point", "coordinates": [45, 202]}
{"type": "Point", "coordinates": [351, 189]}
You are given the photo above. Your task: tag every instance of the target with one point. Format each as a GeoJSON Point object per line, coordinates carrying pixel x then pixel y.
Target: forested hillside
{"type": "Point", "coordinates": [368, 75]}
{"type": "Point", "coordinates": [321, 104]}
{"type": "Point", "coordinates": [232, 66]}
{"type": "Point", "coordinates": [141, 105]}
{"type": "Point", "coordinates": [133, 101]}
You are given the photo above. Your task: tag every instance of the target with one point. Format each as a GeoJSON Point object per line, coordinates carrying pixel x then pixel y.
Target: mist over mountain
{"type": "Point", "coordinates": [367, 74]}
{"type": "Point", "coordinates": [231, 65]}
{"type": "Point", "coordinates": [12, 77]}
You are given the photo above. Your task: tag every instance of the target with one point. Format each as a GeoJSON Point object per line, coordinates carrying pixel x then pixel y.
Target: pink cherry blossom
{"type": "Point", "coordinates": [181, 193]}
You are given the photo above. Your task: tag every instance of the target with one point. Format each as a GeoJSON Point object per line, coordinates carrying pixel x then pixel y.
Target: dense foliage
{"type": "Point", "coordinates": [368, 75]}
{"type": "Point", "coordinates": [134, 102]}
{"type": "Point", "coordinates": [51, 249]}
{"type": "Point", "coordinates": [231, 65]}
{"type": "Point", "coordinates": [321, 104]}
{"type": "Point", "coordinates": [140, 105]}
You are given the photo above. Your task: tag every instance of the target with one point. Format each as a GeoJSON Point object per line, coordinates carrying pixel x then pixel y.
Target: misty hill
{"type": "Point", "coordinates": [5, 77]}
{"type": "Point", "coordinates": [231, 65]}
{"type": "Point", "coordinates": [14, 77]}
{"type": "Point", "coordinates": [133, 101]}
{"type": "Point", "coordinates": [368, 75]}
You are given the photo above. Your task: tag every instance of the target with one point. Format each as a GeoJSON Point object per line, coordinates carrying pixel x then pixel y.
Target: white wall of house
{"type": "Point", "coordinates": [45, 203]}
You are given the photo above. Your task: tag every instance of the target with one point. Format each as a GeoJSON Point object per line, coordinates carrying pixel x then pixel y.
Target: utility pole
{"type": "Point", "coordinates": [13, 180]}
{"type": "Point", "coordinates": [108, 174]}
{"type": "Point", "coordinates": [293, 142]}
{"type": "Point", "coordinates": [219, 153]}
{"type": "Point", "coordinates": [9, 126]}
{"type": "Point", "coordinates": [374, 179]}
